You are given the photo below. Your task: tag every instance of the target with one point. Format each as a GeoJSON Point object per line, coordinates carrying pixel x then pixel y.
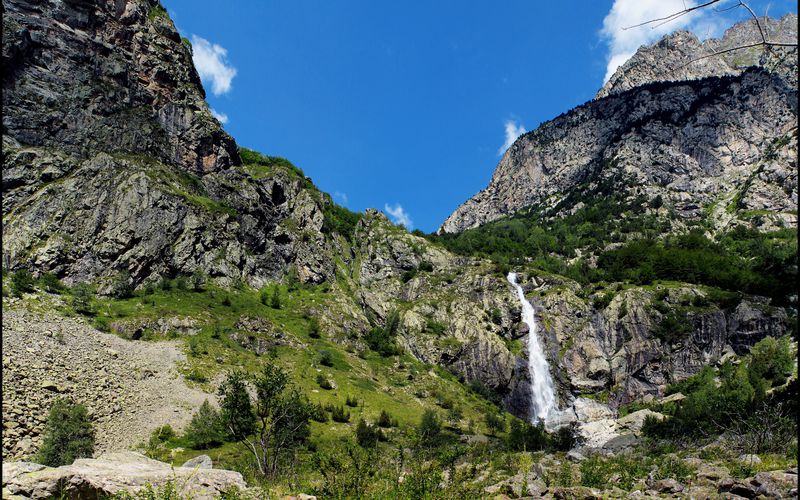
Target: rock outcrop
{"type": "Point", "coordinates": [112, 160]}
{"type": "Point", "coordinates": [681, 56]}
{"type": "Point", "coordinates": [113, 473]}
{"type": "Point", "coordinates": [696, 138]}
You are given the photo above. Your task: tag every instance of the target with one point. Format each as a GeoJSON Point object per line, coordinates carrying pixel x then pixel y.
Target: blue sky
{"type": "Point", "coordinates": [406, 106]}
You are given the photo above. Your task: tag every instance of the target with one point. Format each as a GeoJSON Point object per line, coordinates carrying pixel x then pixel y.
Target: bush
{"type": "Point", "coordinates": [425, 266]}
{"type": "Point", "coordinates": [326, 358]}
{"type": "Point", "coordinates": [339, 414]}
{"type": "Point", "coordinates": [68, 434]}
{"type": "Point", "coordinates": [313, 328]}
{"type": "Point", "coordinates": [770, 360]}
{"type": "Point", "coordinates": [323, 382]}
{"type": "Point", "coordinates": [523, 436]}
{"type": "Point", "coordinates": [385, 420]}
{"type": "Point", "coordinates": [318, 413]}
{"type": "Point", "coordinates": [275, 299]}
{"type": "Point", "coordinates": [21, 282]}
{"type": "Point", "coordinates": [205, 429]}
{"type": "Point", "coordinates": [182, 283]}
{"type": "Point", "coordinates": [495, 422]}
{"type": "Point", "coordinates": [382, 340]}
{"type": "Point", "coordinates": [198, 280]}
{"type": "Point", "coordinates": [408, 275]}
{"type": "Point", "coordinates": [351, 401]}
{"type": "Point", "coordinates": [236, 410]}
{"type": "Point", "coordinates": [158, 437]}
{"type": "Point", "coordinates": [82, 296]}
{"type": "Point", "coordinates": [51, 283]}
{"type": "Point", "coordinates": [121, 286]}
{"type": "Point", "coordinates": [368, 435]}
{"type": "Point", "coordinates": [429, 428]}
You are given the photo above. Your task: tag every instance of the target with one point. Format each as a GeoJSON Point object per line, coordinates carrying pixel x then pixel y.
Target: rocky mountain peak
{"type": "Point", "coordinates": [688, 137]}
{"type": "Point", "coordinates": [677, 56]}
{"type": "Point", "coordinates": [110, 76]}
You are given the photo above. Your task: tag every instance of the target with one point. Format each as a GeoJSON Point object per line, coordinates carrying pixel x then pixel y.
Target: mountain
{"type": "Point", "coordinates": [712, 134]}
{"type": "Point", "coordinates": [112, 160]}
{"type": "Point", "coordinates": [647, 229]}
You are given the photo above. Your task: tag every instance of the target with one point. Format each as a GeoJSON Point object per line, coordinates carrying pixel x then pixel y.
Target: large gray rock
{"type": "Point", "coordinates": [114, 473]}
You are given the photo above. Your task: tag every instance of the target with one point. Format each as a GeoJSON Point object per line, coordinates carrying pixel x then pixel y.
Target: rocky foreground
{"type": "Point", "coordinates": [115, 473]}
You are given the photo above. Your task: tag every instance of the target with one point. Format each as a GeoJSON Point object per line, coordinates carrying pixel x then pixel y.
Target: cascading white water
{"type": "Point", "coordinates": [543, 399]}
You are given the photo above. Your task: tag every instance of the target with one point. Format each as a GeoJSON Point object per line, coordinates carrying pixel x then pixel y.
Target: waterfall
{"type": "Point", "coordinates": [543, 399]}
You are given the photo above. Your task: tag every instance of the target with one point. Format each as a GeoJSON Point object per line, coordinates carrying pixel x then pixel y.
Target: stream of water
{"type": "Point", "coordinates": [543, 399]}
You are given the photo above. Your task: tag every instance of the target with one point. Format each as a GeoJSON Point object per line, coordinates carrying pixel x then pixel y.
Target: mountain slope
{"type": "Point", "coordinates": [691, 143]}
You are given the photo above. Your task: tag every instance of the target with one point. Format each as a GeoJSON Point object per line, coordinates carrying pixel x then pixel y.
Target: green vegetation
{"type": "Point", "coordinates": [382, 340]}
{"type": "Point", "coordinates": [733, 398]}
{"type": "Point", "coordinates": [261, 166]}
{"type": "Point", "coordinates": [205, 429]}
{"type": "Point", "coordinates": [21, 282]}
{"type": "Point", "coordinates": [278, 420]}
{"type": "Point", "coordinates": [631, 247]}
{"type": "Point", "coordinates": [68, 434]}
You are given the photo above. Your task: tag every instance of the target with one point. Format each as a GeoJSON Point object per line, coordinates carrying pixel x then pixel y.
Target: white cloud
{"type": "Point", "coordinates": [399, 215]}
{"type": "Point", "coordinates": [513, 130]}
{"type": "Point", "coordinates": [623, 43]}
{"type": "Point", "coordinates": [211, 62]}
{"type": "Point", "coordinates": [222, 117]}
{"type": "Point", "coordinates": [341, 197]}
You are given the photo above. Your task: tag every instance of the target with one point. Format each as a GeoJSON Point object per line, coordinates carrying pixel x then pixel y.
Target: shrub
{"type": "Point", "coordinates": [435, 327]}
{"type": "Point", "coordinates": [429, 428]}
{"type": "Point", "coordinates": [236, 412]}
{"type": "Point", "coordinates": [275, 298]}
{"type": "Point", "coordinates": [408, 275]}
{"type": "Point", "coordinates": [121, 286]}
{"type": "Point", "coordinates": [325, 358]}
{"type": "Point", "coordinates": [82, 296]}
{"type": "Point", "coordinates": [425, 266]}
{"type": "Point", "coordinates": [495, 422]}
{"type": "Point", "coordinates": [771, 360]}
{"type": "Point", "coordinates": [205, 429]}
{"type": "Point", "coordinates": [318, 413]}
{"type": "Point", "coordinates": [323, 382]}
{"type": "Point", "coordinates": [382, 340]}
{"type": "Point", "coordinates": [165, 284]}
{"type": "Point", "coordinates": [181, 283]}
{"type": "Point", "coordinates": [351, 401]}
{"type": "Point", "coordinates": [523, 436]}
{"type": "Point", "coordinates": [385, 420]}
{"type": "Point", "coordinates": [496, 316]}
{"type": "Point", "coordinates": [368, 435]}
{"type": "Point", "coordinates": [68, 434]}
{"type": "Point", "coordinates": [198, 280]}
{"type": "Point", "coordinates": [21, 282]}
{"type": "Point", "coordinates": [313, 328]}
{"type": "Point", "coordinates": [339, 414]}
{"type": "Point", "coordinates": [51, 283]}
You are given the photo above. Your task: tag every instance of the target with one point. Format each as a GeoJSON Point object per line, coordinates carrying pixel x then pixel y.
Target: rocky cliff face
{"type": "Point", "coordinates": [112, 161]}
{"type": "Point", "coordinates": [681, 56]}
{"type": "Point", "coordinates": [695, 143]}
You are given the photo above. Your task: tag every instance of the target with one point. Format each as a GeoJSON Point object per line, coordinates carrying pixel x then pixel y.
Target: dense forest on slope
{"type": "Point", "coordinates": [614, 239]}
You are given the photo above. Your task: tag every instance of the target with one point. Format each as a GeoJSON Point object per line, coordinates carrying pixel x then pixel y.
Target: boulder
{"type": "Point", "coordinates": [199, 462]}
{"type": "Point", "coordinates": [114, 473]}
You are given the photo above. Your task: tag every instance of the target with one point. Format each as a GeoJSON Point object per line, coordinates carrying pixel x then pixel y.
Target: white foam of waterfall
{"type": "Point", "coordinates": [543, 398]}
